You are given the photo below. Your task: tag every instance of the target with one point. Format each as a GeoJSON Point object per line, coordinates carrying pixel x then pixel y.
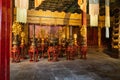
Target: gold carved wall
{"type": "Point", "coordinates": [58, 18]}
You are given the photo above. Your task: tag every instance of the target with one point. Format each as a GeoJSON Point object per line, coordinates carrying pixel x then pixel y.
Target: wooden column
{"type": "Point", "coordinates": [34, 34]}
{"type": "Point", "coordinates": [5, 20]}
{"type": "Point", "coordinates": [68, 32]}
{"type": "Point", "coordinates": [99, 37]}
{"type": "Point", "coordinates": [119, 40]}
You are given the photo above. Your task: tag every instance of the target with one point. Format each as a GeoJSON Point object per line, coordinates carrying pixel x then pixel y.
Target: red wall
{"type": "Point", "coordinates": [92, 36]}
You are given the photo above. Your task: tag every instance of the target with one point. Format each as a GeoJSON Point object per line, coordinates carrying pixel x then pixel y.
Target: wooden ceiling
{"type": "Point", "coordinates": [67, 6]}
{"type": "Point", "coordinates": [60, 5]}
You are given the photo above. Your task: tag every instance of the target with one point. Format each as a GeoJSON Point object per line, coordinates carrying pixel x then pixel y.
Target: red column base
{"type": "Point", "coordinates": [33, 53]}
{"type": "Point", "coordinates": [15, 52]}
{"type": "Point", "coordinates": [83, 51]}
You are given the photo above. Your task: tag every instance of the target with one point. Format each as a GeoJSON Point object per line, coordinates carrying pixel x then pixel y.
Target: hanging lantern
{"type": "Point", "coordinates": [94, 12]}
{"type": "Point", "coordinates": [107, 17]}
{"type": "Point", "coordinates": [21, 14]}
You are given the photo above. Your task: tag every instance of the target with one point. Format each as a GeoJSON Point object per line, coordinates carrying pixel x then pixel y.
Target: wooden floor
{"type": "Point", "coordinates": [98, 66]}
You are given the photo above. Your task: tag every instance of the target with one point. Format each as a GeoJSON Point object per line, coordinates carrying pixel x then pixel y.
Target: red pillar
{"type": "Point", "coordinates": [5, 20]}
{"type": "Point", "coordinates": [84, 20]}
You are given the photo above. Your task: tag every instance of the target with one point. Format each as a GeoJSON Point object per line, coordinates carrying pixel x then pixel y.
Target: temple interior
{"type": "Point", "coordinates": [63, 24]}
{"type": "Point", "coordinates": [60, 39]}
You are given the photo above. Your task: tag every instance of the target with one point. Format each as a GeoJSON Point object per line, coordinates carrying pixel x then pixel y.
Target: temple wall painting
{"type": "Point", "coordinates": [45, 31]}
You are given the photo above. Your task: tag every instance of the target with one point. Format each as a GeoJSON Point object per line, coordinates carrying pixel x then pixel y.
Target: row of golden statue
{"type": "Point", "coordinates": [51, 47]}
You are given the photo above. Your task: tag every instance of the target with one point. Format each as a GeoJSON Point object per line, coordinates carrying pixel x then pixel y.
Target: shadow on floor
{"type": "Point", "coordinates": [114, 53]}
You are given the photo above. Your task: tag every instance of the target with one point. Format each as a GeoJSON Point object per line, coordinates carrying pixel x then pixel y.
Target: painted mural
{"type": "Point", "coordinates": [46, 31]}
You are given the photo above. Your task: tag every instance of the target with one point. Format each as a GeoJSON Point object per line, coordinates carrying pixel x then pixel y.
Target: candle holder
{"type": "Point", "coordinates": [75, 39]}
{"type": "Point", "coordinates": [22, 45]}
{"type": "Point", "coordinates": [16, 30]}
{"type": "Point", "coordinates": [15, 52]}
{"type": "Point", "coordinates": [22, 38]}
